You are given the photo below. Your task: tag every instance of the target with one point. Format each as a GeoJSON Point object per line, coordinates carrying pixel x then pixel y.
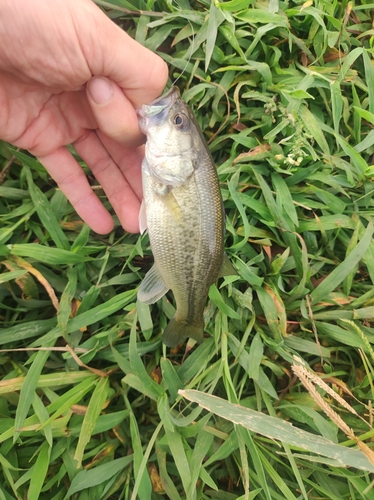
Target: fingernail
{"type": "Point", "coordinates": [100, 90]}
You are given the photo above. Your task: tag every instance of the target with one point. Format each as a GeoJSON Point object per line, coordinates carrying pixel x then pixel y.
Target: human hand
{"type": "Point", "coordinates": [69, 75]}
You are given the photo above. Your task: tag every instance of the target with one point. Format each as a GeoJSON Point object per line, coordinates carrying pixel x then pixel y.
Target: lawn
{"type": "Point", "coordinates": [276, 403]}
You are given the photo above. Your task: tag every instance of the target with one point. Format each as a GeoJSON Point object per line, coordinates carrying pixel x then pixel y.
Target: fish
{"type": "Point", "coordinates": [182, 209]}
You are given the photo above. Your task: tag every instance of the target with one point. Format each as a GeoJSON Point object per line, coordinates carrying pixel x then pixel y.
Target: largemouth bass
{"type": "Point", "coordinates": [183, 211]}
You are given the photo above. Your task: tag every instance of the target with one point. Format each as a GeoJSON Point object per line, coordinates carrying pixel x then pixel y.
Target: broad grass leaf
{"type": "Point", "coordinates": [207, 479]}
{"type": "Point", "coordinates": [10, 193]}
{"type": "Point", "coordinates": [369, 260]}
{"type": "Point", "coordinates": [327, 222]}
{"type": "Point", "coordinates": [285, 198]}
{"type": "Point", "coordinates": [94, 408]}
{"type": "Point", "coordinates": [263, 16]}
{"type": "Point", "coordinates": [341, 335]}
{"type": "Point", "coordinates": [100, 474]}
{"type": "Point", "coordinates": [101, 311]}
{"type": "Point", "coordinates": [137, 383]}
{"type": "Point", "coordinates": [365, 144]}
{"type": "Point", "coordinates": [167, 482]}
{"type": "Point", "coordinates": [182, 464]}
{"type": "Point", "coordinates": [347, 283]}
{"type": "Point", "coordinates": [369, 74]}
{"type": "Point", "coordinates": [365, 114]}
{"type": "Point", "coordinates": [230, 36]}
{"type": "Point", "coordinates": [215, 19]}
{"type": "Point", "coordinates": [145, 486]}
{"type": "Point", "coordinates": [245, 436]}
{"type": "Point", "coordinates": [197, 360]}
{"type": "Point", "coordinates": [138, 367]}
{"type": "Point", "coordinates": [276, 479]}
{"type": "Point", "coordinates": [216, 297]}
{"type": "Point", "coordinates": [59, 204]}
{"type": "Point", "coordinates": [356, 115]}
{"type": "Point", "coordinates": [336, 277]}
{"type": "Point", "coordinates": [186, 32]}
{"type": "Point", "coordinates": [25, 282]}
{"type": "Point", "coordinates": [245, 360]}
{"type": "Point", "coordinates": [276, 428]}
{"type": "Point", "coordinates": [261, 67]}
{"type": "Point", "coordinates": [104, 423]}
{"type": "Point", "coordinates": [46, 214]}
{"type": "Point", "coordinates": [145, 319]}
{"type": "Point", "coordinates": [40, 277]}
{"type": "Point", "coordinates": [256, 352]}
{"type": "Point", "coordinates": [4, 277]}
{"type": "Point", "coordinates": [50, 380]}
{"type": "Point", "coordinates": [243, 215]}
{"type": "Point", "coordinates": [300, 94]}
{"type": "Point", "coordinates": [67, 400]}
{"type": "Point", "coordinates": [234, 5]}
{"type": "Point", "coordinates": [225, 450]}
{"type": "Point", "coordinates": [337, 104]}
{"type": "Point", "coordinates": [203, 442]}
{"type": "Point", "coordinates": [170, 378]}
{"type": "Point", "coordinates": [271, 313]}
{"type": "Point", "coordinates": [246, 273]}
{"type": "Point", "coordinates": [265, 384]}
{"type": "Point", "coordinates": [331, 201]}
{"type": "Point", "coordinates": [29, 161]}
{"type": "Point", "coordinates": [66, 300]}
{"type": "Point", "coordinates": [314, 128]}
{"type": "Point", "coordinates": [143, 465]}
{"type": "Point", "coordinates": [199, 38]}
{"type": "Point", "coordinates": [163, 409]}
{"type": "Point", "coordinates": [304, 345]}
{"type": "Point", "coordinates": [42, 414]}
{"type": "Point", "coordinates": [82, 239]}
{"type": "Point", "coordinates": [46, 255]}
{"type": "Point", "coordinates": [39, 472]}
{"type": "Point", "coordinates": [142, 29]}
{"type": "Point", "coordinates": [28, 390]}
{"type": "Point", "coordinates": [357, 160]}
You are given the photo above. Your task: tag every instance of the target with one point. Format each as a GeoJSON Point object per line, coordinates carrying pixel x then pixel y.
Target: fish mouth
{"type": "Point", "coordinates": [157, 109]}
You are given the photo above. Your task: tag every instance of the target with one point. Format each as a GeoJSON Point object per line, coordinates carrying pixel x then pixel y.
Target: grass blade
{"type": "Point", "coordinates": [39, 472]}
{"type": "Point", "coordinates": [94, 408]}
{"type": "Point", "coordinates": [275, 428]}
{"type": "Point", "coordinates": [344, 268]}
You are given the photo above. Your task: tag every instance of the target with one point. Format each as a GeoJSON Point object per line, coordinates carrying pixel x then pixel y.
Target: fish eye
{"type": "Point", "coordinates": [180, 121]}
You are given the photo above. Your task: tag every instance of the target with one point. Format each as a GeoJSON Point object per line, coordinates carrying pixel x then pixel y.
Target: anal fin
{"type": "Point", "coordinates": [227, 269]}
{"type": "Point", "coordinates": [153, 287]}
{"type": "Point", "coordinates": [142, 218]}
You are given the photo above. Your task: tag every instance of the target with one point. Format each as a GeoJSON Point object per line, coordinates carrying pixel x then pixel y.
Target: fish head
{"type": "Point", "coordinates": [171, 134]}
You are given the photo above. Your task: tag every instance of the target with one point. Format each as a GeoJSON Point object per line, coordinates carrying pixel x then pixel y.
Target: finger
{"type": "Point", "coordinates": [72, 181]}
{"type": "Point", "coordinates": [113, 111]}
{"type": "Point", "coordinates": [122, 197]}
{"type": "Point", "coordinates": [140, 73]}
{"type": "Point", "coordinates": [129, 161]}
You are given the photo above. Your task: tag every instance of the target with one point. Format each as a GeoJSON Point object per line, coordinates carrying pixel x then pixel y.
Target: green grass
{"type": "Point", "coordinates": [92, 405]}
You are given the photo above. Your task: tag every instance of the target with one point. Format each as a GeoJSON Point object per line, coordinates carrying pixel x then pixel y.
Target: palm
{"type": "Point", "coordinates": [45, 120]}
{"type": "Point", "coordinates": [47, 100]}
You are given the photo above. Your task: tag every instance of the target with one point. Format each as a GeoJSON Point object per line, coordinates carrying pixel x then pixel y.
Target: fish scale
{"type": "Point", "coordinates": [184, 214]}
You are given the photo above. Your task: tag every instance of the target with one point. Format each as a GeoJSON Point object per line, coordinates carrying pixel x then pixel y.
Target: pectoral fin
{"type": "Point", "coordinates": [173, 206]}
{"type": "Point", "coordinates": [142, 218]}
{"type": "Point", "coordinates": [152, 288]}
{"type": "Point", "coordinates": [227, 269]}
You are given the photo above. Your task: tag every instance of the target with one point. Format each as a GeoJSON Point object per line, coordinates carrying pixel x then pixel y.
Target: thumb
{"type": "Point", "coordinates": [114, 113]}
{"type": "Point", "coordinates": [141, 74]}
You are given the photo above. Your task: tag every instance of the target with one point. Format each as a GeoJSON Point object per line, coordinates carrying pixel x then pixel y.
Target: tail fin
{"type": "Point", "coordinates": [176, 331]}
